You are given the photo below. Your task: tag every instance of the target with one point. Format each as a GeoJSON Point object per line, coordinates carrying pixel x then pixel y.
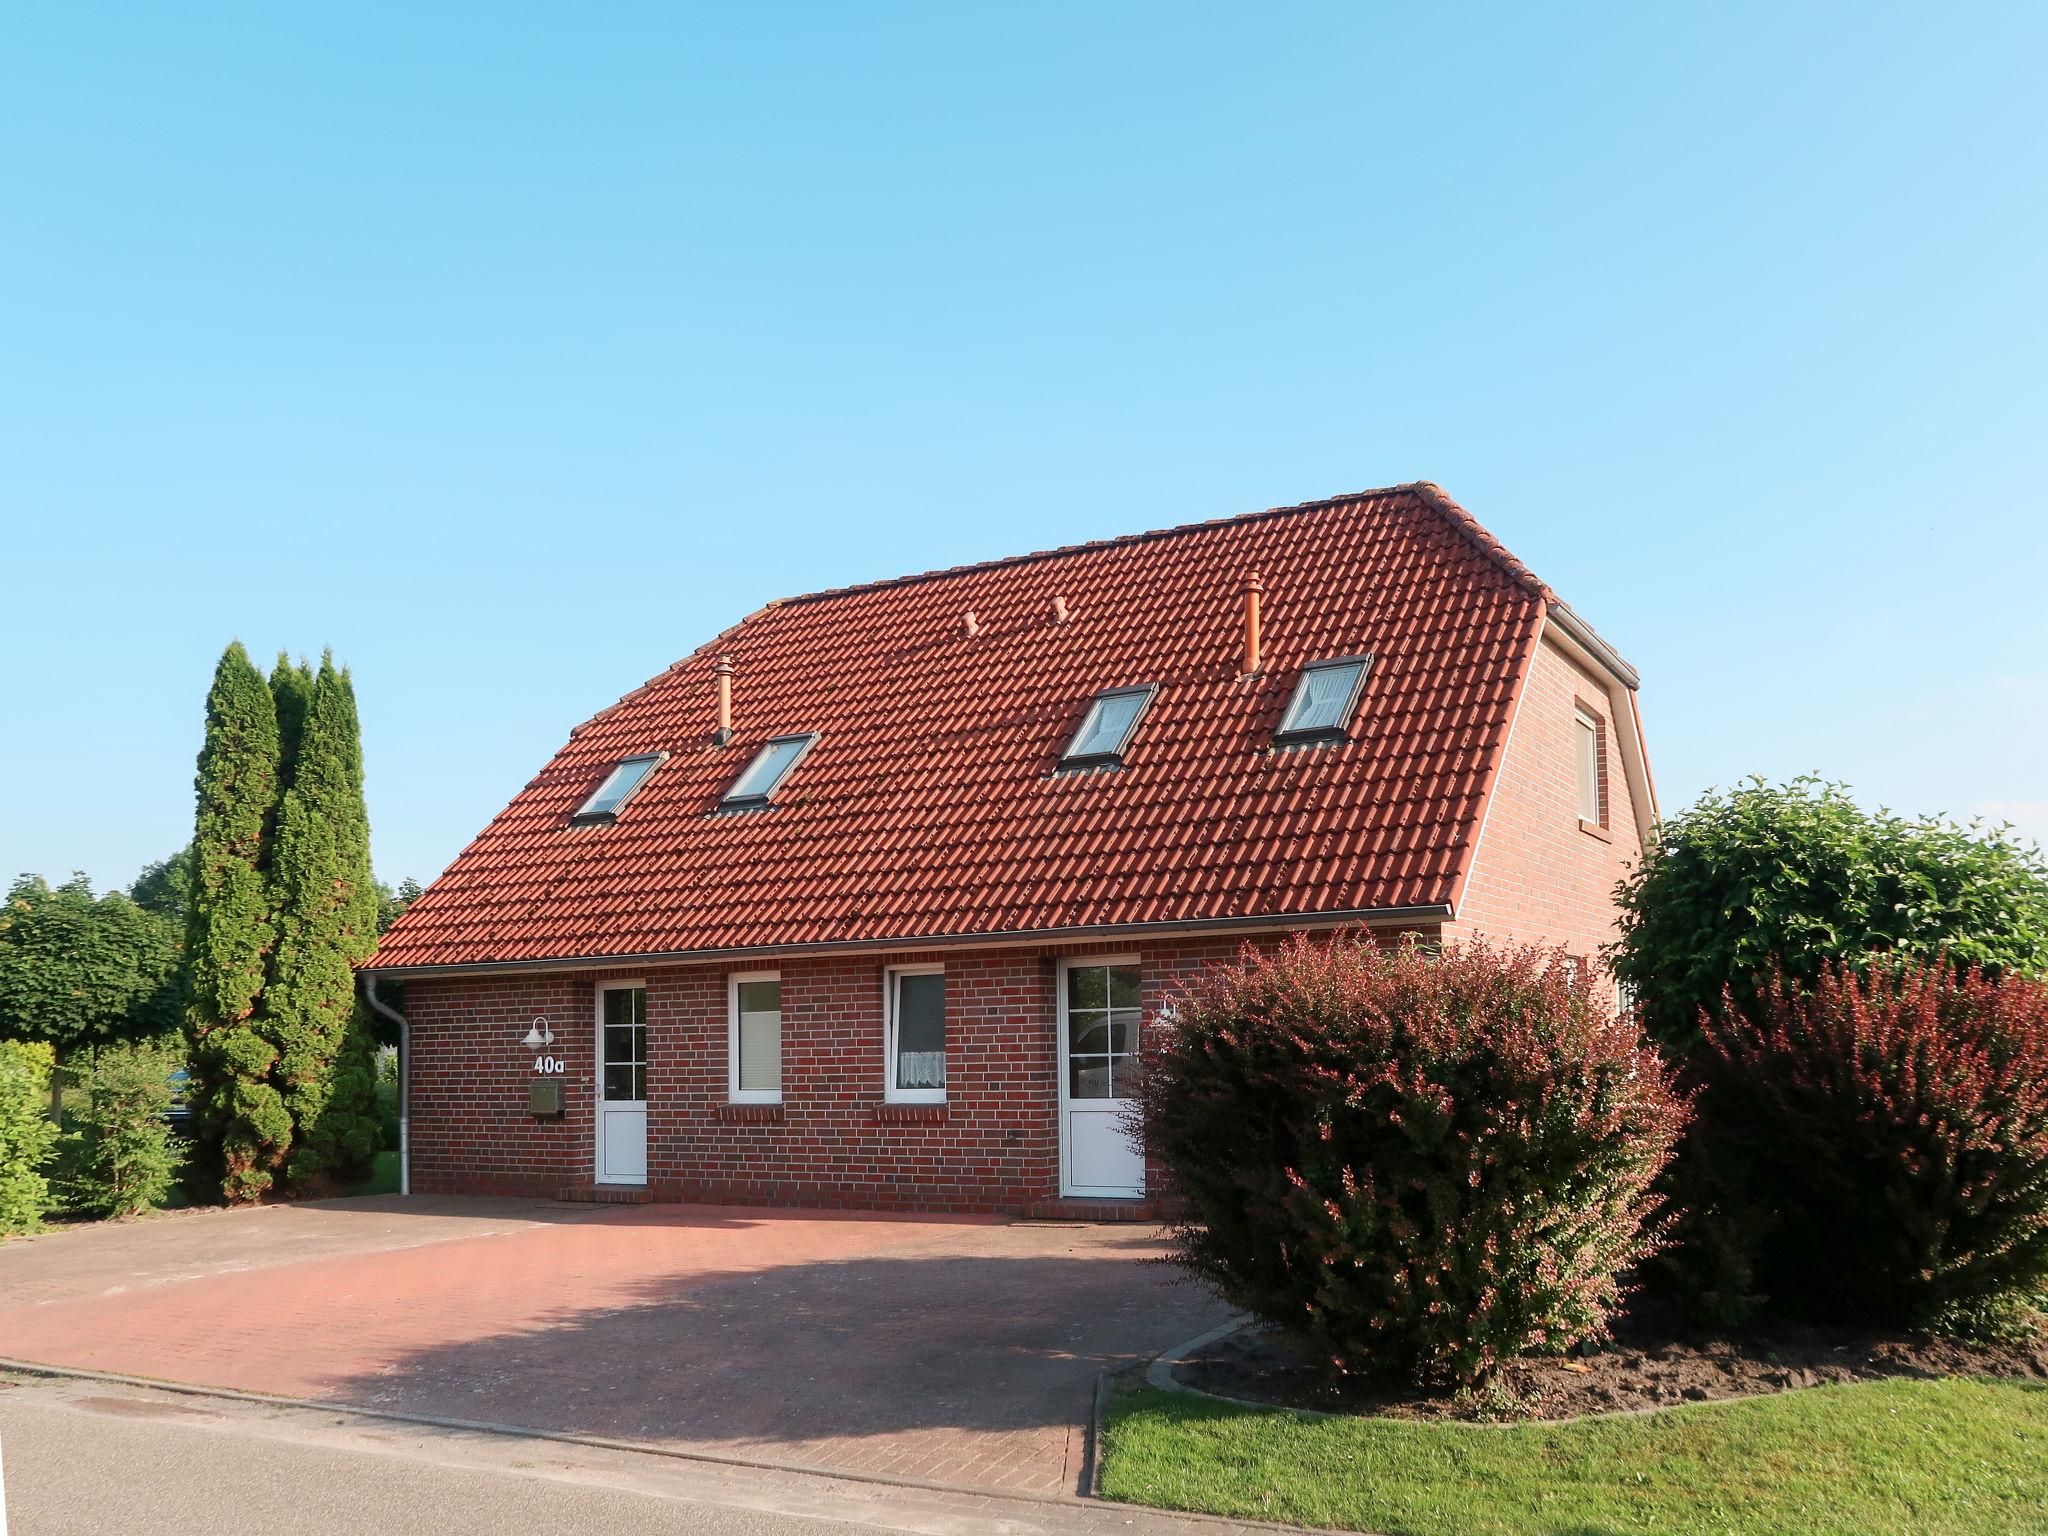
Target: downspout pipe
{"type": "Point", "coordinates": [404, 1079]}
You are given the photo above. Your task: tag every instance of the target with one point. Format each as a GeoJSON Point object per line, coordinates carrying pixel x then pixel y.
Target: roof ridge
{"type": "Point", "coordinates": [1426, 491]}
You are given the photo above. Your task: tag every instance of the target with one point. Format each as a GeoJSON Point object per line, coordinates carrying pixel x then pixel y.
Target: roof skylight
{"type": "Point", "coordinates": [764, 775]}
{"type": "Point", "coordinates": [1324, 698]}
{"type": "Point", "coordinates": [618, 787]}
{"type": "Point", "coordinates": [1107, 727]}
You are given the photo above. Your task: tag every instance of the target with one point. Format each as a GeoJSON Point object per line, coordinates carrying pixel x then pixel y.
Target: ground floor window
{"type": "Point", "coordinates": [754, 1038]}
{"type": "Point", "coordinates": [916, 1046]}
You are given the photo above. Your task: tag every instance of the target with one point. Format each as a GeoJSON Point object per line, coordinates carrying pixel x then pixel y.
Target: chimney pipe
{"type": "Point", "coordinates": [1252, 589]}
{"type": "Point", "coordinates": [723, 672]}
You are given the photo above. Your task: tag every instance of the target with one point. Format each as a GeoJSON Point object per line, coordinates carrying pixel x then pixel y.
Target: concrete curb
{"type": "Point", "coordinates": [1091, 1459]}
{"type": "Point", "coordinates": [1160, 1372]}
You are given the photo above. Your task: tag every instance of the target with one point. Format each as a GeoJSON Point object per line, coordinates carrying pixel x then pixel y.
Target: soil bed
{"type": "Point", "coordinates": [1655, 1360]}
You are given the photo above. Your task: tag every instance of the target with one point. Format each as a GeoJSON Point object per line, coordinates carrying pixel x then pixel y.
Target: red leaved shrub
{"type": "Point", "coordinates": [1423, 1164]}
{"type": "Point", "coordinates": [1884, 1139]}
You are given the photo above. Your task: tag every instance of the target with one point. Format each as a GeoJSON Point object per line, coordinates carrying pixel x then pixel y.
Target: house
{"type": "Point", "coordinates": [867, 901]}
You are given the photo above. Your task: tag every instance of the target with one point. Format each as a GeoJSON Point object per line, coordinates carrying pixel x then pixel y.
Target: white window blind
{"type": "Point", "coordinates": [757, 1035]}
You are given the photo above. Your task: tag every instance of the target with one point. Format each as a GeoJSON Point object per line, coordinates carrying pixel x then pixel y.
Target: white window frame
{"type": "Point", "coordinates": [1588, 726]}
{"type": "Point", "coordinates": [891, 1094]}
{"type": "Point", "coordinates": [734, 1092]}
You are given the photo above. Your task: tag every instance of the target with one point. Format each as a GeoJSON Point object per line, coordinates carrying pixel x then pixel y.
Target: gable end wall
{"type": "Point", "coordinates": [1537, 878]}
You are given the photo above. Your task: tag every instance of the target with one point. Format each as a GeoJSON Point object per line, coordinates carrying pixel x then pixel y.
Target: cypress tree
{"type": "Point", "coordinates": [241, 1117]}
{"type": "Point", "coordinates": [327, 904]}
{"type": "Point", "coordinates": [291, 685]}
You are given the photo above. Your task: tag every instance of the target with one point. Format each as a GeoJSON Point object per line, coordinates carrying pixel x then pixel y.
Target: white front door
{"type": "Point", "coordinates": [622, 1084]}
{"type": "Point", "coordinates": [1098, 1026]}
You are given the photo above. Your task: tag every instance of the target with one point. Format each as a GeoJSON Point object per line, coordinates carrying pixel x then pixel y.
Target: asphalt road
{"type": "Point", "coordinates": [92, 1458]}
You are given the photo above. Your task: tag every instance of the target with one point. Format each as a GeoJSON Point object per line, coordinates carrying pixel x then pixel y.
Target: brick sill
{"type": "Point", "coordinates": [1594, 829]}
{"type": "Point", "coordinates": [911, 1114]}
{"type": "Point", "coordinates": [748, 1114]}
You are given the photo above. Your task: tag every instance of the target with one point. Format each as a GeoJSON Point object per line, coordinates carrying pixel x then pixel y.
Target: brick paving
{"type": "Point", "coordinates": [960, 1351]}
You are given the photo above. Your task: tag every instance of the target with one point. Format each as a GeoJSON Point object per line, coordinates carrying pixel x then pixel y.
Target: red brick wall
{"type": "Point", "coordinates": [1538, 877]}
{"type": "Point", "coordinates": [994, 1145]}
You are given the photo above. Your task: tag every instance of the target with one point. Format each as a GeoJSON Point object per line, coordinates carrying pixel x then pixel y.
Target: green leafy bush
{"type": "Point", "coordinates": [1770, 878]}
{"type": "Point", "coordinates": [26, 1134]}
{"type": "Point", "coordinates": [1880, 1141]}
{"type": "Point", "coordinates": [1424, 1165]}
{"type": "Point", "coordinates": [125, 1158]}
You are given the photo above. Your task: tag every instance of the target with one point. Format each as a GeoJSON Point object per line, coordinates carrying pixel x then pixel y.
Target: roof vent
{"type": "Point", "coordinates": [1252, 588]}
{"type": "Point", "coordinates": [723, 672]}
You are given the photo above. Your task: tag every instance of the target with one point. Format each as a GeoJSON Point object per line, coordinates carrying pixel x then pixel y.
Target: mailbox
{"type": "Point", "coordinates": [544, 1096]}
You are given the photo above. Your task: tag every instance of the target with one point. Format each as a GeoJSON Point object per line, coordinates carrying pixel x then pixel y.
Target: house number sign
{"type": "Point", "coordinates": [549, 1066]}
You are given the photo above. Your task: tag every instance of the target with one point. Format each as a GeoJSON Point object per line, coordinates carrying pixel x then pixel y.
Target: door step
{"type": "Point", "coordinates": [1074, 1208]}
{"type": "Point", "coordinates": [606, 1194]}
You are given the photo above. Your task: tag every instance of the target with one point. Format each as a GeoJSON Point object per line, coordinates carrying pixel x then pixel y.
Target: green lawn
{"type": "Point", "coordinates": [1891, 1458]}
{"type": "Point", "coordinates": [383, 1177]}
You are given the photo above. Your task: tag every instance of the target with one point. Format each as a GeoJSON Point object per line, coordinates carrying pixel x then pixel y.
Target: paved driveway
{"type": "Point", "coordinates": [958, 1351]}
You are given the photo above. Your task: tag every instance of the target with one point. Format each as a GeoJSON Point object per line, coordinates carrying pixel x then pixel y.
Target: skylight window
{"type": "Point", "coordinates": [1323, 701]}
{"type": "Point", "coordinates": [764, 775]}
{"type": "Point", "coordinates": [617, 788]}
{"type": "Point", "coordinates": [1107, 728]}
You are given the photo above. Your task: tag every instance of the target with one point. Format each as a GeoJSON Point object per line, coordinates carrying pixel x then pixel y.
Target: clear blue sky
{"type": "Point", "coordinates": [513, 351]}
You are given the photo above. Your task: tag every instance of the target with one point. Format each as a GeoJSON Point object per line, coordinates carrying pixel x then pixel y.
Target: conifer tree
{"type": "Point", "coordinates": [241, 1117]}
{"type": "Point", "coordinates": [291, 685]}
{"type": "Point", "coordinates": [326, 902]}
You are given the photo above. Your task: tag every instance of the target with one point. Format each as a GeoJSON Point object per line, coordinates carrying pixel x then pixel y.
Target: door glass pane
{"type": "Point", "coordinates": [1123, 1077]}
{"type": "Point", "coordinates": [1122, 1031]}
{"type": "Point", "coordinates": [921, 1031]}
{"type": "Point", "coordinates": [624, 1044]}
{"type": "Point", "coordinates": [1123, 986]}
{"type": "Point", "coordinates": [1088, 986]}
{"type": "Point", "coordinates": [1087, 1077]}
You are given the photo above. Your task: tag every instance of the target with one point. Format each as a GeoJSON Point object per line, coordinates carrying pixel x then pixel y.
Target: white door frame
{"type": "Point", "coordinates": [1067, 1184]}
{"type": "Point", "coordinates": [597, 1085]}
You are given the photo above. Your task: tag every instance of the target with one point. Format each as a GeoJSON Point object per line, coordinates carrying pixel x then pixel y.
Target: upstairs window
{"type": "Point", "coordinates": [1324, 698]}
{"type": "Point", "coordinates": [1592, 782]}
{"type": "Point", "coordinates": [1107, 728]}
{"type": "Point", "coordinates": [764, 775]}
{"type": "Point", "coordinates": [617, 789]}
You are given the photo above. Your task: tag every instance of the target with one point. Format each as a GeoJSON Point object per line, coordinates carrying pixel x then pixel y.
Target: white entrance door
{"type": "Point", "coordinates": [1098, 1027]}
{"type": "Point", "coordinates": [622, 1084]}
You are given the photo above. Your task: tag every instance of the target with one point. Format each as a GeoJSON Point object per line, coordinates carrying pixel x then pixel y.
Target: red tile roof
{"type": "Point", "coordinates": [929, 807]}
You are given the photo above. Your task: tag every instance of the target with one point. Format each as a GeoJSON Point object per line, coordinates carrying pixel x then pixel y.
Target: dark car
{"type": "Point", "coordinates": [178, 1113]}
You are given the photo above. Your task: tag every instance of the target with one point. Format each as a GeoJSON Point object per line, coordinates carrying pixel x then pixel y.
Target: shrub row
{"type": "Point", "coordinates": [1426, 1164]}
